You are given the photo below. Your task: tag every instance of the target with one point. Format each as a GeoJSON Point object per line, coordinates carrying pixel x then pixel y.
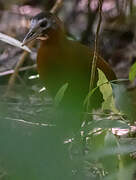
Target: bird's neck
{"type": "Point", "coordinates": [55, 38]}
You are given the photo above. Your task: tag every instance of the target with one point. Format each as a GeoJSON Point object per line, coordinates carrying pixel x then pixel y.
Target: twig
{"type": "Point", "coordinates": [30, 123]}
{"type": "Point", "coordinates": [94, 62]}
{"type": "Point", "coordinates": [105, 114]}
{"type": "Point", "coordinates": [16, 70]}
{"type": "Point", "coordinates": [88, 31]}
{"type": "Point", "coordinates": [11, 71]}
{"type": "Point", "coordinates": [56, 6]}
{"type": "Point", "coordinates": [131, 7]}
{"type": "Point", "coordinates": [117, 3]}
{"type": "Point", "coordinates": [89, 1]}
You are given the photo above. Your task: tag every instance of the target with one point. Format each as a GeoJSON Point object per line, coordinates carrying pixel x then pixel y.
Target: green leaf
{"type": "Point", "coordinates": [60, 94]}
{"type": "Point", "coordinates": [100, 85]}
{"type": "Point", "coordinates": [107, 123]}
{"type": "Point", "coordinates": [111, 162]}
{"type": "Point", "coordinates": [106, 90]}
{"type": "Point", "coordinates": [110, 140]}
{"type": "Point", "coordinates": [124, 101]}
{"type": "Point", "coordinates": [132, 73]}
{"type": "Point", "coordinates": [89, 95]}
{"type": "Point", "coordinates": [126, 172]}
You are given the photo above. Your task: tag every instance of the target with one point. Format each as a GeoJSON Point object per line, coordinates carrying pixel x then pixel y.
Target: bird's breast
{"type": "Point", "coordinates": [52, 68]}
{"type": "Point", "coordinates": [59, 65]}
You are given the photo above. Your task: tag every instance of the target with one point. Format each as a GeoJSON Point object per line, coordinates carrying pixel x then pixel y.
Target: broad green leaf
{"type": "Point", "coordinates": [126, 172]}
{"type": "Point", "coordinates": [111, 162]}
{"type": "Point", "coordinates": [107, 123]}
{"type": "Point", "coordinates": [93, 90]}
{"type": "Point", "coordinates": [60, 94]}
{"type": "Point", "coordinates": [106, 90]}
{"type": "Point", "coordinates": [110, 140]}
{"type": "Point", "coordinates": [114, 88]}
{"type": "Point", "coordinates": [132, 73]}
{"type": "Point", "coordinates": [124, 101]}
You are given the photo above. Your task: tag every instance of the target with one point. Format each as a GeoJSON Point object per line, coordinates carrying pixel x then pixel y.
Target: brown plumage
{"type": "Point", "coordinates": [63, 61]}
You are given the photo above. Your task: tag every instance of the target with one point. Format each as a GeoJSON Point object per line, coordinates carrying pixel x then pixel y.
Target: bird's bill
{"type": "Point", "coordinates": [31, 35]}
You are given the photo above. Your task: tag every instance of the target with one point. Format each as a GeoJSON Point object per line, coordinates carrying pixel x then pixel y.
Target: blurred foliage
{"type": "Point", "coordinates": [33, 144]}
{"type": "Point", "coordinates": [132, 73]}
{"type": "Point", "coordinates": [60, 94]}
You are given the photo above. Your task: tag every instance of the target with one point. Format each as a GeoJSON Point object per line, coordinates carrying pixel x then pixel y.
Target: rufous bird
{"type": "Point", "coordinates": [61, 61]}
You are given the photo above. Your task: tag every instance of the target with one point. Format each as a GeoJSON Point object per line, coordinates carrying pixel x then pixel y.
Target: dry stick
{"type": "Point", "coordinates": [13, 77]}
{"type": "Point", "coordinates": [94, 62]}
{"type": "Point", "coordinates": [117, 3]}
{"type": "Point", "coordinates": [16, 70]}
{"type": "Point", "coordinates": [56, 6]}
{"type": "Point", "coordinates": [89, 1]}
{"type": "Point", "coordinates": [131, 7]}
{"type": "Point", "coordinates": [11, 71]}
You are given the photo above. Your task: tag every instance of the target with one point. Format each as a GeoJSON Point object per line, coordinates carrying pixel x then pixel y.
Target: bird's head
{"type": "Point", "coordinates": [41, 26]}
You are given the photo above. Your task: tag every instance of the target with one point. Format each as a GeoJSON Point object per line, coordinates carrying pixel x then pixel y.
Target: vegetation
{"type": "Point", "coordinates": [34, 144]}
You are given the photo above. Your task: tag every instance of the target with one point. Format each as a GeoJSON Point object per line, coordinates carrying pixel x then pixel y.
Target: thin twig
{"type": "Point", "coordinates": [131, 7]}
{"type": "Point", "coordinates": [89, 1]}
{"type": "Point", "coordinates": [16, 70]}
{"type": "Point", "coordinates": [56, 6]}
{"type": "Point", "coordinates": [30, 123]}
{"type": "Point", "coordinates": [11, 71]}
{"type": "Point", "coordinates": [117, 3]}
{"type": "Point", "coordinates": [94, 62]}
{"type": "Point", "coordinates": [105, 114]}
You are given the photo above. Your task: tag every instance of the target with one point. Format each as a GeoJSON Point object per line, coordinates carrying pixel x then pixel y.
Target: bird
{"type": "Point", "coordinates": [61, 60]}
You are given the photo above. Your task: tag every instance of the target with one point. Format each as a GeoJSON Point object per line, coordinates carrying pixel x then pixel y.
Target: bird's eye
{"type": "Point", "coordinates": [43, 24]}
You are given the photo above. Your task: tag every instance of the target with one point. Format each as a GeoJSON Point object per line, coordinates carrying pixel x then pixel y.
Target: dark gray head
{"type": "Point", "coordinates": [40, 26]}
